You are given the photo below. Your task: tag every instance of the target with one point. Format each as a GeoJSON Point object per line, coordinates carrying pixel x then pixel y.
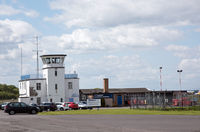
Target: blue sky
{"type": "Point", "coordinates": [124, 40]}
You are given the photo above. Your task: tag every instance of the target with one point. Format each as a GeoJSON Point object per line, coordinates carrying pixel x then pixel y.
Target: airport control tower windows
{"type": "Point", "coordinates": [48, 61]}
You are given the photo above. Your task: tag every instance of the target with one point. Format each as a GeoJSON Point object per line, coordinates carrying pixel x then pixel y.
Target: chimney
{"type": "Point", "coordinates": [105, 80]}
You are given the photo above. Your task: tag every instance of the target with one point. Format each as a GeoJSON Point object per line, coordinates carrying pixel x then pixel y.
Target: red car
{"type": "Point", "coordinates": [72, 105]}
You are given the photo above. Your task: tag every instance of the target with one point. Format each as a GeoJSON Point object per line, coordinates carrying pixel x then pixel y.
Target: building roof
{"type": "Point", "coordinates": [114, 90]}
{"type": "Point", "coordinates": [53, 55]}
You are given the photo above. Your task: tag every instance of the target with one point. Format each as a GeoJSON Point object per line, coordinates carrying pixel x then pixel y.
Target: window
{"type": "Point", "coordinates": [56, 72]}
{"type": "Point", "coordinates": [48, 61]}
{"type": "Point", "coordinates": [56, 88]}
{"type": "Point", "coordinates": [38, 86]}
{"type": "Point", "coordinates": [38, 100]}
{"type": "Point", "coordinates": [57, 60]}
{"type": "Point", "coordinates": [53, 60]}
{"type": "Point", "coordinates": [43, 60]}
{"type": "Point", "coordinates": [16, 105]}
{"type": "Point", "coordinates": [70, 85]}
{"type": "Point", "coordinates": [23, 104]}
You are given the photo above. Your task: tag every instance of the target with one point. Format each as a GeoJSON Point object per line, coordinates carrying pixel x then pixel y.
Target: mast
{"type": "Point", "coordinates": [37, 57]}
{"type": "Point", "coordinates": [37, 53]}
{"type": "Point", "coordinates": [21, 61]}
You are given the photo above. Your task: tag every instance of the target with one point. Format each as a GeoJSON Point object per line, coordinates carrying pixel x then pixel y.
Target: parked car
{"type": "Point", "coordinates": [62, 106]}
{"type": "Point", "coordinates": [20, 107]}
{"type": "Point", "coordinates": [40, 108]}
{"type": "Point", "coordinates": [84, 105]}
{"type": "Point", "coordinates": [72, 105]}
{"type": "Point", "coordinates": [3, 105]}
{"type": "Point", "coordinates": [48, 106]}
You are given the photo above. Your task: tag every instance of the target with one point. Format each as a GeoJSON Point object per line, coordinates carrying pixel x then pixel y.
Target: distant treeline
{"type": "Point", "coordinates": [8, 92]}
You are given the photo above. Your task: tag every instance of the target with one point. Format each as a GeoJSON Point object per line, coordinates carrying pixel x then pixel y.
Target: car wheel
{"type": "Point", "coordinates": [61, 109]}
{"type": "Point", "coordinates": [33, 111]}
{"type": "Point", "coordinates": [12, 112]}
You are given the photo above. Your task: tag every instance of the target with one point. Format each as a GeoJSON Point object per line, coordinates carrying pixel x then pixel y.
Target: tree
{"type": "Point", "coordinates": [8, 92]}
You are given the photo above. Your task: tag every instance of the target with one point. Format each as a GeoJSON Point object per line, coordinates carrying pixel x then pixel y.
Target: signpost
{"type": "Point", "coordinates": [94, 102]}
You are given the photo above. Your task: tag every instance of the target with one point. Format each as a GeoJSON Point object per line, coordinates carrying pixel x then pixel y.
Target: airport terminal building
{"type": "Point", "coordinates": [52, 86]}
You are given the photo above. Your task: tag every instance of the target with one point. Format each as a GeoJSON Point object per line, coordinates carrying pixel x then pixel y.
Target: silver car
{"type": "Point", "coordinates": [62, 106]}
{"type": "Point", "coordinates": [3, 105]}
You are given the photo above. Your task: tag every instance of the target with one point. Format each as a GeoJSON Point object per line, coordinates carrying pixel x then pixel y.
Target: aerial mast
{"type": "Point", "coordinates": [21, 61]}
{"type": "Point", "coordinates": [37, 53]}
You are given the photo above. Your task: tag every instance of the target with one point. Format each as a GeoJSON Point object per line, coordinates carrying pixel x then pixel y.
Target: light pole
{"type": "Point", "coordinates": [160, 85]}
{"type": "Point", "coordinates": [160, 79]}
{"type": "Point", "coordinates": [180, 96]}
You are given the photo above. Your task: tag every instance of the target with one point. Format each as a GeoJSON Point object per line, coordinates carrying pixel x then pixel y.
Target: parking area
{"type": "Point", "coordinates": [98, 123]}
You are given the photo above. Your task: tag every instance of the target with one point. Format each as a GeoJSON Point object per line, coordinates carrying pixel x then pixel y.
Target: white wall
{"type": "Point", "coordinates": [74, 91]}
{"type": "Point", "coordinates": [51, 80]}
{"type": "Point", "coordinates": [24, 87]}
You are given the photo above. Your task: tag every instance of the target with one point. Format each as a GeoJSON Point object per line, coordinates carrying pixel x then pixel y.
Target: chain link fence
{"type": "Point", "coordinates": [163, 99]}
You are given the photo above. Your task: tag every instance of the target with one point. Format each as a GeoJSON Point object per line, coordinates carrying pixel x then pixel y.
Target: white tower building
{"type": "Point", "coordinates": [53, 86]}
{"type": "Point", "coordinates": [54, 73]}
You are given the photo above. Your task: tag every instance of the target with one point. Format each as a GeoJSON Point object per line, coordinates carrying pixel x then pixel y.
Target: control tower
{"type": "Point", "coordinates": [54, 73]}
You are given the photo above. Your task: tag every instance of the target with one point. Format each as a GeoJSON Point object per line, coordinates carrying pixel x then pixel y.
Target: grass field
{"type": "Point", "coordinates": [120, 112]}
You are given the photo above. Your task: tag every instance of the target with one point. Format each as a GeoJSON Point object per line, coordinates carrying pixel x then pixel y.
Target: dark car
{"type": "Point", "coordinates": [40, 108]}
{"type": "Point", "coordinates": [48, 106]}
{"type": "Point", "coordinates": [20, 107]}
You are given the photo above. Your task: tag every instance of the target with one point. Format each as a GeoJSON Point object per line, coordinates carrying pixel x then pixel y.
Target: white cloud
{"type": "Point", "coordinates": [197, 30]}
{"type": "Point", "coordinates": [14, 34]}
{"type": "Point", "coordinates": [190, 60]}
{"type": "Point", "coordinates": [181, 51]}
{"type": "Point", "coordinates": [6, 10]}
{"type": "Point", "coordinates": [106, 13]}
{"type": "Point", "coordinates": [30, 13]}
{"type": "Point", "coordinates": [184, 52]}
{"type": "Point", "coordinates": [12, 31]}
{"type": "Point", "coordinates": [177, 48]}
{"type": "Point", "coordinates": [116, 38]}
{"type": "Point", "coordinates": [124, 70]}
{"type": "Point", "coordinates": [190, 67]}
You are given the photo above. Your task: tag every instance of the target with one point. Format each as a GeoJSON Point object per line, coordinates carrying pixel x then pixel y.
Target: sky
{"type": "Point", "coordinates": [126, 41]}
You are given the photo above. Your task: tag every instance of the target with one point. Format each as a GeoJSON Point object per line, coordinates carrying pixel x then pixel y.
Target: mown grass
{"type": "Point", "coordinates": [121, 112]}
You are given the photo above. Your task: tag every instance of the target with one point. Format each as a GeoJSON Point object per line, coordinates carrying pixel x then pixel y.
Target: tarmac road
{"type": "Point", "coordinates": [98, 123]}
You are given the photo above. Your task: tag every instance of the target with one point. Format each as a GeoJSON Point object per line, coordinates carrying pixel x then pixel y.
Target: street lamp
{"type": "Point", "coordinates": [160, 78]}
{"type": "Point", "coordinates": [160, 68]}
{"type": "Point", "coordinates": [179, 71]}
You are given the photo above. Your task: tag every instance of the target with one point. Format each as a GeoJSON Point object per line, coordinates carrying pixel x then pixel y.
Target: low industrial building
{"type": "Point", "coordinates": [123, 96]}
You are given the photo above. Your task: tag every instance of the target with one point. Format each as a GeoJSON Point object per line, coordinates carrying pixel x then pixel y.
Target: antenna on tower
{"type": "Point", "coordinates": [37, 53]}
{"type": "Point", "coordinates": [21, 60]}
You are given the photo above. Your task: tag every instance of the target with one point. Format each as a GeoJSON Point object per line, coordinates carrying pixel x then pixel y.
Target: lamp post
{"type": "Point", "coordinates": [160, 85]}
{"type": "Point", "coordinates": [180, 96]}
{"type": "Point", "coordinates": [160, 79]}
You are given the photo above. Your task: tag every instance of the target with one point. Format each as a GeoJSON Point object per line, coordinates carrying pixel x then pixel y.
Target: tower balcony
{"type": "Point", "coordinates": [31, 76]}
{"type": "Point", "coordinates": [71, 76]}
